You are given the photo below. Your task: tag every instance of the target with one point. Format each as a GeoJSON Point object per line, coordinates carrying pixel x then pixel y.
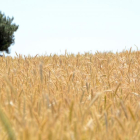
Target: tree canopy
{"type": "Point", "coordinates": [7, 29]}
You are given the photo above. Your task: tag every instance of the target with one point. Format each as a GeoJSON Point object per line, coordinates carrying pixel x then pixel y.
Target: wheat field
{"type": "Point", "coordinates": [70, 97]}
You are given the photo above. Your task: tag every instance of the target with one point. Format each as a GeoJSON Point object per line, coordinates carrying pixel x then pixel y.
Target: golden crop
{"type": "Point", "coordinates": [68, 97]}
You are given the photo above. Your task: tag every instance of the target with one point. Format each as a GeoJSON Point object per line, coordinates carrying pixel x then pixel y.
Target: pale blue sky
{"type": "Point", "coordinates": [53, 26]}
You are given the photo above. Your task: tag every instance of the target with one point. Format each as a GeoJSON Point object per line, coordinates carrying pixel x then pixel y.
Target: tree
{"type": "Point", "coordinates": [7, 30]}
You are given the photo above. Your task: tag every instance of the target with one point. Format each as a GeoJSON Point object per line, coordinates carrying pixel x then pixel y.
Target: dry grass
{"type": "Point", "coordinates": [82, 97]}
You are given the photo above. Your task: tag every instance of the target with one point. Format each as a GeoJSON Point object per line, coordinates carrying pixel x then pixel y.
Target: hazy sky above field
{"type": "Point", "coordinates": [53, 26]}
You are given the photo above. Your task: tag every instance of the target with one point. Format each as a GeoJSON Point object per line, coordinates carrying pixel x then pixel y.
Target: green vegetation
{"type": "Point", "coordinates": [7, 30]}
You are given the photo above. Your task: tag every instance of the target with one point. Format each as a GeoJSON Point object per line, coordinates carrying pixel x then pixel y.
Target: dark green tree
{"type": "Point", "coordinates": [7, 29]}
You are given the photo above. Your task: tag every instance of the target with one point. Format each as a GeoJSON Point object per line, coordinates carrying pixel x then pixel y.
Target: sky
{"type": "Point", "coordinates": [78, 26]}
